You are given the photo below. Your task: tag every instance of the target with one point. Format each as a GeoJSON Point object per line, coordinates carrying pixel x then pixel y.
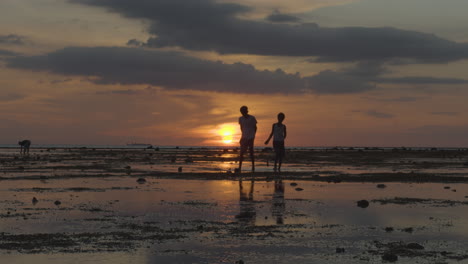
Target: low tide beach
{"type": "Point", "coordinates": [186, 205]}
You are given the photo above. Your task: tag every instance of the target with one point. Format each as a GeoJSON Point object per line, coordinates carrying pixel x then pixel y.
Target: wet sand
{"type": "Point", "coordinates": [69, 205]}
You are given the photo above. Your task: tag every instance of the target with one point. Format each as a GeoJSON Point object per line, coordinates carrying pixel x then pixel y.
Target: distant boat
{"type": "Point", "coordinates": [139, 145]}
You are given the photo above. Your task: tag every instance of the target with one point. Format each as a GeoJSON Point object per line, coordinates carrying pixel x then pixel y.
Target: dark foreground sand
{"type": "Point", "coordinates": [77, 205]}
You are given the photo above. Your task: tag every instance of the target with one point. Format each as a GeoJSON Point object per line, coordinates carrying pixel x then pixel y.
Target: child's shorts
{"type": "Point", "coordinates": [279, 147]}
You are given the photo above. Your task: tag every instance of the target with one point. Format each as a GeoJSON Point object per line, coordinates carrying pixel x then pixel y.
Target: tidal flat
{"type": "Point", "coordinates": [187, 205]}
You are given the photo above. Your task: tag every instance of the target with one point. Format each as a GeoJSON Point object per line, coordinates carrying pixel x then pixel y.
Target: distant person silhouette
{"type": "Point", "coordinates": [278, 132]}
{"type": "Point", "coordinates": [248, 126]}
{"type": "Point", "coordinates": [25, 144]}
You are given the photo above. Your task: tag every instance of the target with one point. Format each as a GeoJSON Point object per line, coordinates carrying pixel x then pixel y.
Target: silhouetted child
{"type": "Point", "coordinates": [25, 144]}
{"type": "Point", "coordinates": [248, 125]}
{"type": "Point", "coordinates": [278, 132]}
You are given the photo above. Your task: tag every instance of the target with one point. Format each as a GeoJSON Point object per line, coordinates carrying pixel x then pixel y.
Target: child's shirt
{"type": "Point", "coordinates": [278, 132]}
{"type": "Point", "coordinates": [248, 126]}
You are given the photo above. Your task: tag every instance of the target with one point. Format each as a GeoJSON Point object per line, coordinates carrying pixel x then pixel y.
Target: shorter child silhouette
{"type": "Point", "coordinates": [278, 132]}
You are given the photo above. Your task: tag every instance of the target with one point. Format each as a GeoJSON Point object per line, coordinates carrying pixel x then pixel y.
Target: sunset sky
{"type": "Point", "coordinates": [176, 72]}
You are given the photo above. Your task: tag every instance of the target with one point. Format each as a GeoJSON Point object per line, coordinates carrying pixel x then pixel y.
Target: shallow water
{"type": "Point", "coordinates": [106, 216]}
{"type": "Point", "coordinates": [228, 220]}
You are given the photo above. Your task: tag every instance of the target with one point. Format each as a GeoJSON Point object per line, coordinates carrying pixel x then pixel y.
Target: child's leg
{"type": "Point", "coordinates": [280, 161]}
{"type": "Point", "coordinates": [241, 155]}
{"type": "Point", "coordinates": [276, 160]}
{"type": "Point", "coordinates": [282, 152]}
{"type": "Point", "coordinates": [251, 148]}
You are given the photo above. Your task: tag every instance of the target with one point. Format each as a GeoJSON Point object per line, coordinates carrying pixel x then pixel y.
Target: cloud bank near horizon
{"type": "Point", "coordinates": [177, 71]}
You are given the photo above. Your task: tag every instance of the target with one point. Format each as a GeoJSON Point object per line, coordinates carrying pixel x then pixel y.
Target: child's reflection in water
{"type": "Point", "coordinates": [278, 207]}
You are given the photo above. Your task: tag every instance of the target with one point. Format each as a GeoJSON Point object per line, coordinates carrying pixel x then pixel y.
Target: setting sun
{"type": "Point", "coordinates": [226, 131]}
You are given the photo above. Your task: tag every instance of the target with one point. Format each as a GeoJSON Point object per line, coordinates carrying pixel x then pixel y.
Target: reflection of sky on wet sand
{"type": "Point", "coordinates": [323, 212]}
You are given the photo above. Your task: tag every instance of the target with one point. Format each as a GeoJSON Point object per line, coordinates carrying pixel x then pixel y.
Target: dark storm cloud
{"type": "Point", "coordinates": [445, 113]}
{"type": "Point", "coordinates": [278, 17]}
{"type": "Point", "coordinates": [422, 80]}
{"type": "Point", "coordinates": [61, 81]}
{"type": "Point", "coordinates": [374, 113]}
{"type": "Point", "coordinates": [121, 92]}
{"type": "Point", "coordinates": [135, 42]}
{"type": "Point", "coordinates": [378, 114]}
{"type": "Point", "coordinates": [12, 39]}
{"type": "Point", "coordinates": [365, 76]}
{"type": "Point", "coordinates": [332, 82]}
{"type": "Point", "coordinates": [7, 53]}
{"type": "Point", "coordinates": [207, 25]}
{"type": "Point", "coordinates": [11, 97]}
{"type": "Point", "coordinates": [401, 99]}
{"type": "Point", "coordinates": [172, 70]}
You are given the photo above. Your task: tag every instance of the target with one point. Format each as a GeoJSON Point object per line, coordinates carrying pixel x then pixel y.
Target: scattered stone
{"type": "Point", "coordinates": [340, 250]}
{"type": "Point", "coordinates": [408, 230]}
{"type": "Point", "coordinates": [34, 200]}
{"type": "Point", "coordinates": [299, 189]}
{"type": "Point", "coordinates": [363, 203]}
{"type": "Point", "coordinates": [447, 187]}
{"type": "Point", "coordinates": [381, 186]}
{"type": "Point", "coordinates": [141, 180]}
{"type": "Point", "coordinates": [389, 257]}
{"type": "Point", "coordinates": [454, 190]}
{"type": "Point", "coordinates": [389, 229]}
{"type": "Point", "coordinates": [336, 180]}
{"type": "Point", "coordinates": [57, 203]}
{"type": "Point", "coordinates": [414, 246]}
{"type": "Point", "coordinates": [293, 184]}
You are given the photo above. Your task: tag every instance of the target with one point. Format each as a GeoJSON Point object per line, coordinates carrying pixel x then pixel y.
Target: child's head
{"type": "Point", "coordinates": [281, 117]}
{"type": "Point", "coordinates": [244, 110]}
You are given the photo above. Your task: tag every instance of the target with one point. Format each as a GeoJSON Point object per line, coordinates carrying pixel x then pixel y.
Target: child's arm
{"type": "Point", "coordinates": [284, 131]}
{"type": "Point", "coordinates": [271, 134]}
